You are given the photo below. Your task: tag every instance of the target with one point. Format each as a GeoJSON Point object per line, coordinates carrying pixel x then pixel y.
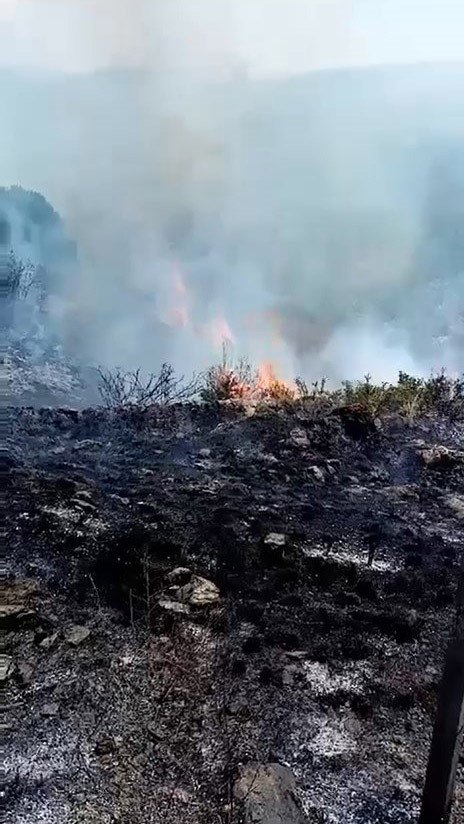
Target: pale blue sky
{"type": "Point", "coordinates": [265, 36]}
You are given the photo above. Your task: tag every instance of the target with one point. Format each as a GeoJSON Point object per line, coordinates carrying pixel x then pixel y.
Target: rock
{"type": "Point", "coordinates": [25, 673]}
{"type": "Point", "coordinates": [179, 576]}
{"type": "Point", "coordinates": [170, 605]}
{"type": "Point", "coordinates": [275, 549]}
{"type": "Point", "coordinates": [11, 611]}
{"type": "Point", "coordinates": [50, 710]}
{"type": "Point", "coordinates": [7, 667]}
{"type": "Point", "coordinates": [50, 641]}
{"type": "Point", "coordinates": [199, 592]}
{"type": "Point", "coordinates": [440, 457]}
{"type": "Point", "coordinates": [83, 495]}
{"type": "Point", "coordinates": [267, 795]}
{"type": "Point", "coordinates": [275, 539]}
{"type": "Point", "coordinates": [299, 437]}
{"type": "Point", "coordinates": [84, 506]}
{"type": "Point", "coordinates": [456, 503]}
{"type": "Point", "coordinates": [318, 473]}
{"type": "Point", "coordinates": [76, 635]}
{"type": "Point", "coordinates": [86, 444]}
{"type": "Point", "coordinates": [289, 674]}
{"type": "Point", "coordinates": [119, 500]}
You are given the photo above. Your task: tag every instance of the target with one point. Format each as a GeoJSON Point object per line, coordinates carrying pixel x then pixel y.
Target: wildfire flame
{"type": "Point", "coordinates": [270, 384]}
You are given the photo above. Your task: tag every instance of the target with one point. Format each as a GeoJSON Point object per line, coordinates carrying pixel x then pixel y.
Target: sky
{"type": "Point", "coordinates": [261, 37]}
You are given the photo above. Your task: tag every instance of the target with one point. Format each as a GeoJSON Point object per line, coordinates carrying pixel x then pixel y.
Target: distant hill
{"type": "Point", "coordinates": [339, 192]}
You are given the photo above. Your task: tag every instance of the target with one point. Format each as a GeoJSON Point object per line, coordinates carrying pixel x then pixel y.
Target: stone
{"type": "Point", "coordinates": [179, 576]}
{"type": "Point", "coordinates": [7, 667]}
{"type": "Point", "coordinates": [25, 673]}
{"type": "Point", "coordinates": [86, 444]}
{"type": "Point", "coordinates": [440, 457]}
{"type": "Point", "coordinates": [50, 710]}
{"type": "Point", "coordinates": [84, 495]}
{"type": "Point", "coordinates": [76, 635]}
{"type": "Point", "coordinates": [84, 506]}
{"type": "Point", "coordinates": [275, 539]}
{"type": "Point", "coordinates": [318, 473]}
{"type": "Point", "coordinates": [50, 641]}
{"type": "Point", "coordinates": [456, 503]}
{"type": "Point", "coordinates": [170, 605]}
{"type": "Point", "coordinates": [199, 592]}
{"type": "Point", "coordinates": [266, 794]}
{"type": "Point", "coordinates": [299, 437]}
{"type": "Point", "coordinates": [289, 674]}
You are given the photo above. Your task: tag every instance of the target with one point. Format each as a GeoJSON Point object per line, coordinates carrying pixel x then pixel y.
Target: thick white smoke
{"type": "Point", "coordinates": [315, 219]}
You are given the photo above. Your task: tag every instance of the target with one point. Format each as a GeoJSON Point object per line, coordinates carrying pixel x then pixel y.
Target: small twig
{"type": "Point", "coordinates": [96, 591]}
{"type": "Point", "coordinates": [131, 608]}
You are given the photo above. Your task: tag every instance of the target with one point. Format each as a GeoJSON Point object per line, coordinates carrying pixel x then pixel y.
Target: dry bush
{"type": "Point", "coordinates": [369, 397]}
{"type": "Point", "coordinates": [229, 381]}
{"type": "Point", "coordinates": [410, 397]}
{"type": "Point", "coordinates": [20, 277]}
{"type": "Point", "coordinates": [119, 389]}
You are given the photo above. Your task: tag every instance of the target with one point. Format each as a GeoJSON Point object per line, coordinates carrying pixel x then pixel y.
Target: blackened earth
{"type": "Point", "coordinates": [335, 547]}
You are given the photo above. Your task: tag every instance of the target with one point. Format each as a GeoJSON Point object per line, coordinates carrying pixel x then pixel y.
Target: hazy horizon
{"type": "Point", "coordinates": [313, 213]}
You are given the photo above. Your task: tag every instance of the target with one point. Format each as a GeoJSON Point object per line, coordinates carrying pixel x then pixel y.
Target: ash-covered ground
{"type": "Point", "coordinates": [195, 589]}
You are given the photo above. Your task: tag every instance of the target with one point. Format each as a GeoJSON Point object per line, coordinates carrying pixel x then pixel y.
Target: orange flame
{"type": "Point", "coordinates": [270, 384]}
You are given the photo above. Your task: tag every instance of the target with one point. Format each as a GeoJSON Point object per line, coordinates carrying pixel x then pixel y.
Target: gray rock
{"type": "Point", "coordinates": [84, 495]}
{"type": "Point", "coordinates": [76, 635]}
{"type": "Point", "coordinates": [456, 503]}
{"type": "Point", "coordinates": [275, 539]}
{"type": "Point", "coordinates": [318, 473]}
{"type": "Point", "coordinates": [49, 641]}
{"type": "Point", "coordinates": [50, 710]}
{"type": "Point", "coordinates": [267, 795]}
{"type": "Point", "coordinates": [199, 592]}
{"type": "Point", "coordinates": [179, 576]}
{"type": "Point", "coordinates": [7, 667]}
{"type": "Point", "coordinates": [25, 673]}
{"type": "Point", "coordinates": [86, 444]}
{"type": "Point", "coordinates": [440, 457]}
{"type": "Point", "coordinates": [84, 506]}
{"type": "Point", "coordinates": [299, 437]}
{"type": "Point", "coordinates": [170, 605]}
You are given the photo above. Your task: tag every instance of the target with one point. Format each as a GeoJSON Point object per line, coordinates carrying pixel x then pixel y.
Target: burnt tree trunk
{"type": "Point", "coordinates": [447, 736]}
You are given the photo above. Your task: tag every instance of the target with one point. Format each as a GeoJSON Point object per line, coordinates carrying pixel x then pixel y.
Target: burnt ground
{"type": "Point", "coordinates": [126, 703]}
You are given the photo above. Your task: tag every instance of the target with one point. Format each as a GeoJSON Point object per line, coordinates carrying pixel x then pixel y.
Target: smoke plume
{"type": "Point", "coordinates": [315, 220]}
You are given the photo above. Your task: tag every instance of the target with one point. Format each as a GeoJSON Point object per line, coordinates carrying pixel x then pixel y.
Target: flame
{"type": "Point", "coordinates": [266, 375]}
{"type": "Point", "coordinates": [269, 383]}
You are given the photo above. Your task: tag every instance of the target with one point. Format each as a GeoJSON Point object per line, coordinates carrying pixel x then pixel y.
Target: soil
{"type": "Point", "coordinates": [132, 696]}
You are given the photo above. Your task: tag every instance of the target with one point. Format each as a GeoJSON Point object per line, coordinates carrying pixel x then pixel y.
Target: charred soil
{"type": "Point", "coordinates": [196, 589]}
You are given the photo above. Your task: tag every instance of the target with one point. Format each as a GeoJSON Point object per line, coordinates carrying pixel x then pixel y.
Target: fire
{"type": "Point", "coordinates": [266, 375]}
{"type": "Point", "coordinates": [271, 385]}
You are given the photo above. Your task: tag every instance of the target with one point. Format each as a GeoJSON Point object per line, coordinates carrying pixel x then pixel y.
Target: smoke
{"type": "Point", "coordinates": [316, 221]}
